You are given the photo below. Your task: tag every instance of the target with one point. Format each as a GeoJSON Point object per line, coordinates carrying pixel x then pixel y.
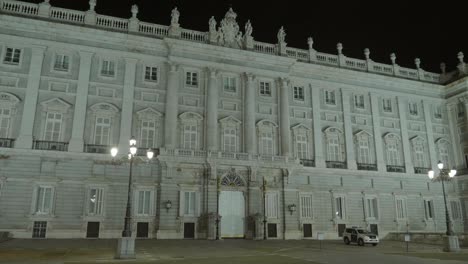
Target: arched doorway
{"type": "Point", "coordinates": [232, 206]}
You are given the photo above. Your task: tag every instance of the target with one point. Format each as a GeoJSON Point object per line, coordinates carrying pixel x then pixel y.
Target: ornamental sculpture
{"type": "Point", "coordinates": [175, 17]}
{"type": "Point", "coordinates": [228, 32]}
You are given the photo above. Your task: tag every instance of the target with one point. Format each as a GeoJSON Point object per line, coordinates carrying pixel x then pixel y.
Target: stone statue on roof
{"type": "Point", "coordinates": [248, 28]}
{"type": "Point", "coordinates": [212, 23]}
{"type": "Point", "coordinates": [175, 16]}
{"type": "Point", "coordinates": [281, 35]}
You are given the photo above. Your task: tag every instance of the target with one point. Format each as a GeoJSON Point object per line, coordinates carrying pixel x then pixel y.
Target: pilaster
{"type": "Point", "coordinates": [127, 102]}
{"type": "Point", "coordinates": [249, 114]}
{"type": "Point", "coordinates": [284, 118]}
{"type": "Point", "coordinates": [348, 130]}
{"type": "Point", "coordinates": [170, 121]}
{"type": "Point", "coordinates": [402, 103]}
{"type": "Point", "coordinates": [212, 112]}
{"type": "Point", "coordinates": [430, 134]}
{"type": "Point", "coordinates": [25, 137]}
{"type": "Point", "coordinates": [455, 139]}
{"type": "Point", "coordinates": [381, 166]}
{"type": "Point", "coordinates": [81, 102]}
{"type": "Point", "coordinates": [318, 141]}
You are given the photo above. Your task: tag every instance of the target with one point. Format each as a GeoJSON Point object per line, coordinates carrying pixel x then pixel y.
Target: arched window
{"type": "Point", "coordinates": [103, 119]}
{"type": "Point", "coordinates": [419, 156]}
{"type": "Point", "coordinates": [149, 123]}
{"type": "Point", "coordinates": [230, 134]}
{"type": "Point", "coordinates": [334, 144]}
{"type": "Point", "coordinates": [54, 119]}
{"type": "Point", "coordinates": [363, 145]}
{"type": "Point", "coordinates": [301, 135]}
{"type": "Point", "coordinates": [443, 151]}
{"type": "Point", "coordinates": [392, 149]}
{"type": "Point", "coordinates": [267, 135]}
{"type": "Point", "coordinates": [191, 130]}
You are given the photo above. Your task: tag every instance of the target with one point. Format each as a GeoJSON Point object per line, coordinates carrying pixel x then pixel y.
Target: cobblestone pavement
{"type": "Point", "coordinates": [89, 251]}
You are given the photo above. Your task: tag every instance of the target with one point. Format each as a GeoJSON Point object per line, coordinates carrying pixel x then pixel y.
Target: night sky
{"type": "Point", "coordinates": [434, 32]}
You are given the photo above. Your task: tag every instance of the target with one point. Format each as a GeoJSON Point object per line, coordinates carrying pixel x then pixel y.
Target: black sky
{"type": "Point", "coordinates": [433, 31]}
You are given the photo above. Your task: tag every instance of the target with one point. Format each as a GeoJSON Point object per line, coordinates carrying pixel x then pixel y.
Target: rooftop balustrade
{"type": "Point", "coordinates": [134, 26]}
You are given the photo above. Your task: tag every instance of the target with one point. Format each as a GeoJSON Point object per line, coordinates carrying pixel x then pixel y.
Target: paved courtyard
{"type": "Point", "coordinates": [225, 251]}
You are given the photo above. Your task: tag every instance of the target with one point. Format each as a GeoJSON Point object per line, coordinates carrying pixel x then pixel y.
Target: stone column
{"type": "Point", "coordinates": [430, 134]}
{"type": "Point", "coordinates": [249, 115]}
{"type": "Point", "coordinates": [318, 139]}
{"type": "Point", "coordinates": [453, 127]}
{"type": "Point", "coordinates": [285, 129]}
{"type": "Point", "coordinates": [380, 161]}
{"type": "Point", "coordinates": [25, 136]}
{"type": "Point", "coordinates": [402, 103]}
{"type": "Point", "coordinates": [127, 103]}
{"type": "Point", "coordinates": [348, 130]}
{"type": "Point", "coordinates": [212, 112]}
{"type": "Point", "coordinates": [81, 103]}
{"type": "Point", "coordinates": [170, 121]}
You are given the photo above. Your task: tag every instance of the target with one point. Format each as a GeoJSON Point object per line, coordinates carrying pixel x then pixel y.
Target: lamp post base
{"type": "Point", "coordinates": [451, 244]}
{"type": "Point", "coordinates": [125, 248]}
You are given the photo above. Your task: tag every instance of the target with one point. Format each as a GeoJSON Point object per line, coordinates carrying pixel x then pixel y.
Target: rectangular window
{"type": "Point", "coordinates": [419, 160]}
{"type": "Point", "coordinates": [102, 131]}
{"type": "Point", "coordinates": [372, 208]}
{"type": "Point", "coordinates": [387, 105]}
{"type": "Point", "coordinates": [96, 198]}
{"type": "Point", "coordinates": [364, 152]}
{"type": "Point", "coordinates": [265, 89]}
{"type": "Point", "coordinates": [229, 84]}
{"type": "Point", "coordinates": [306, 206]}
{"type": "Point", "coordinates": [44, 200]}
{"type": "Point", "coordinates": [144, 202]}
{"type": "Point", "coordinates": [401, 208]}
{"type": "Point", "coordinates": [393, 158]}
{"type": "Point", "coordinates": [62, 62]}
{"type": "Point", "coordinates": [39, 229]}
{"type": "Point", "coordinates": [230, 139]}
{"type": "Point", "coordinates": [191, 79]}
{"type": "Point", "coordinates": [108, 68]}
{"type": "Point", "coordinates": [190, 137]}
{"type": "Point", "coordinates": [444, 155]}
{"type": "Point", "coordinates": [429, 209]}
{"type": "Point", "coordinates": [151, 74]}
{"type": "Point", "coordinates": [455, 210]}
{"type": "Point", "coordinates": [53, 127]}
{"type": "Point", "coordinates": [271, 205]}
{"type": "Point", "coordinates": [301, 146]}
{"type": "Point", "coordinates": [330, 98]}
{"type": "Point", "coordinates": [333, 149]}
{"type": "Point", "coordinates": [413, 109]}
{"type": "Point", "coordinates": [359, 101]}
{"type": "Point", "coordinates": [340, 211]}
{"type": "Point", "coordinates": [438, 112]}
{"type": "Point", "coordinates": [12, 56]}
{"type": "Point", "coordinates": [189, 203]}
{"type": "Point", "coordinates": [267, 143]}
{"type": "Point", "coordinates": [5, 119]}
{"type": "Point", "coordinates": [298, 93]}
{"type": "Point", "coordinates": [148, 134]}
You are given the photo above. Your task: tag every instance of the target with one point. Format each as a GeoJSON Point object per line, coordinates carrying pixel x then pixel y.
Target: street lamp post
{"type": "Point", "coordinates": [445, 175]}
{"type": "Point", "coordinates": [126, 245]}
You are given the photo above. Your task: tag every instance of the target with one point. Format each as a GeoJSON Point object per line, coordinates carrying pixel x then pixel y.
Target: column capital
{"type": "Point", "coordinates": [212, 71]}
{"type": "Point", "coordinates": [249, 76]}
{"type": "Point", "coordinates": [130, 60]}
{"type": "Point", "coordinates": [85, 54]}
{"type": "Point", "coordinates": [173, 67]}
{"type": "Point", "coordinates": [283, 81]}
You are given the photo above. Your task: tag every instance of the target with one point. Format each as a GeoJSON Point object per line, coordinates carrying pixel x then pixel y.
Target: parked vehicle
{"type": "Point", "coordinates": [360, 236]}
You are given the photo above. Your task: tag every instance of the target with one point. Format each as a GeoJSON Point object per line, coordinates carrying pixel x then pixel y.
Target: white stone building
{"type": "Point", "coordinates": [278, 141]}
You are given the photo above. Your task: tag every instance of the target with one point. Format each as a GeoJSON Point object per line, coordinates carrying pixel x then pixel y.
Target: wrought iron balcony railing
{"type": "Point", "coordinates": [420, 170]}
{"type": "Point", "coordinates": [308, 162]}
{"type": "Point", "coordinates": [100, 149]}
{"type": "Point", "coordinates": [395, 168]}
{"type": "Point", "coordinates": [50, 145]}
{"type": "Point", "coordinates": [336, 164]}
{"type": "Point", "coordinates": [6, 142]}
{"type": "Point", "coordinates": [366, 166]}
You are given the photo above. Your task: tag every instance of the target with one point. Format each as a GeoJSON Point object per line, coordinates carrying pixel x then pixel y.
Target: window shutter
{"type": "Point", "coordinates": [181, 203]}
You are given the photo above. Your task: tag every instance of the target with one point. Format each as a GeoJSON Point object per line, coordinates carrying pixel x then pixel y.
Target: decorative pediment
{"type": "Point", "coordinates": [232, 179]}
{"type": "Point", "coordinates": [149, 113]}
{"type": "Point", "coordinates": [55, 104]}
{"type": "Point", "coordinates": [442, 140]}
{"type": "Point", "coordinates": [300, 126]}
{"type": "Point", "coordinates": [391, 136]}
{"type": "Point", "coordinates": [265, 122]}
{"type": "Point", "coordinates": [362, 133]}
{"type": "Point", "coordinates": [104, 107]}
{"type": "Point", "coordinates": [417, 139]}
{"type": "Point", "coordinates": [230, 120]}
{"type": "Point", "coordinates": [190, 115]}
{"type": "Point", "coordinates": [8, 97]}
{"type": "Point", "coordinates": [331, 130]}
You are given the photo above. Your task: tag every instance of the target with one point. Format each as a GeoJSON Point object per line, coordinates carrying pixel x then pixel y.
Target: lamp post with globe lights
{"type": "Point", "coordinates": [446, 175]}
{"type": "Point", "coordinates": [126, 245]}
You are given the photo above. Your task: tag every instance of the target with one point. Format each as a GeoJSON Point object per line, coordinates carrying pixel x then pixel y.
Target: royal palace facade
{"type": "Point", "coordinates": [251, 139]}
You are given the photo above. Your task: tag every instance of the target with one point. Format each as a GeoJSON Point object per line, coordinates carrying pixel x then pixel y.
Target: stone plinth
{"type": "Point", "coordinates": [125, 248]}
{"type": "Point", "coordinates": [451, 244]}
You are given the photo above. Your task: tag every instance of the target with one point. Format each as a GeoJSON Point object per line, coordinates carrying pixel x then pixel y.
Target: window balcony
{"type": "Point", "coordinates": [395, 168]}
{"type": "Point", "coordinates": [6, 142]}
{"type": "Point", "coordinates": [308, 162]}
{"type": "Point", "coordinates": [336, 164]}
{"type": "Point", "coordinates": [100, 149]}
{"type": "Point", "coordinates": [50, 145]}
{"type": "Point", "coordinates": [420, 170]}
{"type": "Point", "coordinates": [141, 152]}
{"type": "Point", "coordinates": [366, 166]}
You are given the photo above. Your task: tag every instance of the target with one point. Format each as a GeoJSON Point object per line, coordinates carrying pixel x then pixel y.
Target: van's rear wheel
{"type": "Point", "coordinates": [346, 241]}
{"type": "Point", "coordinates": [360, 242]}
